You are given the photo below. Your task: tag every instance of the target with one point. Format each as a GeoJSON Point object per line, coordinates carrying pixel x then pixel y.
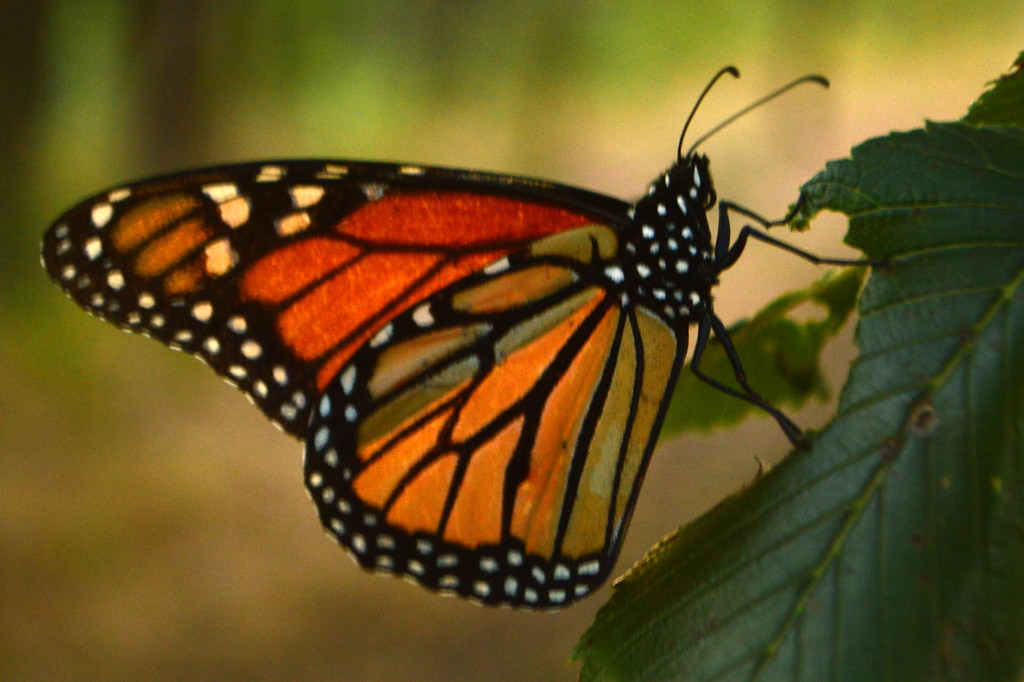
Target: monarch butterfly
{"type": "Point", "coordinates": [479, 364]}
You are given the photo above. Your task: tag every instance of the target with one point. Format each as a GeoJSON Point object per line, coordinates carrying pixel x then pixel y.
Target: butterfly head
{"type": "Point", "coordinates": [669, 241]}
{"type": "Point", "coordinates": [694, 171]}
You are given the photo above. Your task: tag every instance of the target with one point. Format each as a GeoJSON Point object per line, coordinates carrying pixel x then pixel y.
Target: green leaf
{"type": "Point", "coordinates": [779, 353]}
{"type": "Point", "coordinates": [892, 547]}
{"type": "Point", "coordinates": [1003, 104]}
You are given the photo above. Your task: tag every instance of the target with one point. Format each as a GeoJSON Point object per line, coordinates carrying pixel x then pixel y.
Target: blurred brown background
{"type": "Point", "coordinates": [152, 524]}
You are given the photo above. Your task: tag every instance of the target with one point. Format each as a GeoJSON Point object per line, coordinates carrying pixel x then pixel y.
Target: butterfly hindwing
{"type": "Point", "coordinates": [490, 441]}
{"type": "Point", "coordinates": [275, 273]}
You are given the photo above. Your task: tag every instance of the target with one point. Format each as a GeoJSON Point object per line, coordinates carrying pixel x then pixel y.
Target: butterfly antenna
{"type": "Point", "coordinates": [732, 71]}
{"type": "Point", "coordinates": [813, 78]}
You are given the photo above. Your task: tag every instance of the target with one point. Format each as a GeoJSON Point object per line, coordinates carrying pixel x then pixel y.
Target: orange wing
{"type": "Point", "coordinates": [491, 441]}
{"type": "Point", "coordinates": [275, 273]}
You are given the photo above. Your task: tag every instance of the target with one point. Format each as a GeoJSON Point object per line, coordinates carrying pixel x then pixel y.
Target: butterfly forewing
{"type": "Point", "coordinates": [274, 274]}
{"type": "Point", "coordinates": [490, 441]}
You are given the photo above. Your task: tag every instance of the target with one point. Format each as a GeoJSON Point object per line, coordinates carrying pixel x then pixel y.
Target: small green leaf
{"type": "Point", "coordinates": [1003, 104]}
{"type": "Point", "coordinates": [779, 353]}
{"type": "Point", "coordinates": [893, 546]}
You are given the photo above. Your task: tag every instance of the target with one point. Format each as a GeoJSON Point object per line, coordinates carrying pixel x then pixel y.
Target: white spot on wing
{"type": "Point", "coordinates": [119, 195]}
{"type": "Point", "coordinates": [93, 248]}
{"type": "Point", "coordinates": [251, 349]}
{"type": "Point", "coordinates": [235, 212]}
{"type": "Point", "coordinates": [270, 174]}
{"type": "Point", "coordinates": [374, 191]}
{"type": "Point", "coordinates": [348, 379]}
{"type": "Point", "coordinates": [219, 257]}
{"type": "Point", "coordinates": [383, 336]}
{"type": "Point", "coordinates": [292, 223]}
{"type": "Point", "coordinates": [101, 214]}
{"type": "Point", "coordinates": [497, 266]}
{"type": "Point", "coordinates": [221, 191]}
{"type": "Point", "coordinates": [321, 437]}
{"type": "Point", "coordinates": [304, 196]}
{"type": "Point", "coordinates": [202, 311]}
{"type": "Point", "coordinates": [422, 316]}
{"type": "Point", "coordinates": [332, 171]}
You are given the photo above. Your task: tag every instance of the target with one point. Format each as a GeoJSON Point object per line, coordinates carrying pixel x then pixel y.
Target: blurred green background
{"type": "Point", "coordinates": [154, 525]}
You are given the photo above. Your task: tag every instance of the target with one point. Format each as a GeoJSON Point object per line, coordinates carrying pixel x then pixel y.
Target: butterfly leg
{"type": "Point", "coordinates": [727, 254]}
{"type": "Point", "coordinates": [710, 324]}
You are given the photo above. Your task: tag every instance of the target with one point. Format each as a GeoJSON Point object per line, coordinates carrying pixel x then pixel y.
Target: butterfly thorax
{"type": "Point", "coordinates": [668, 257]}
